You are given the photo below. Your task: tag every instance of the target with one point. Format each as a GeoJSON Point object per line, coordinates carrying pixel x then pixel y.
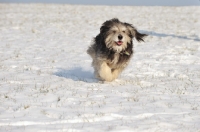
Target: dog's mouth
{"type": "Point", "coordinates": [119, 43]}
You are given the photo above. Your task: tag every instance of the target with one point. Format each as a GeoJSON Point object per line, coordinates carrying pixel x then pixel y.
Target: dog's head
{"type": "Point", "coordinates": [117, 35]}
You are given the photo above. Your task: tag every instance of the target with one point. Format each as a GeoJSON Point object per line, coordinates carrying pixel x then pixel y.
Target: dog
{"type": "Point", "coordinates": [112, 48]}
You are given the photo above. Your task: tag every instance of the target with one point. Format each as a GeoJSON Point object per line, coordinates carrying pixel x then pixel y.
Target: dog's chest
{"type": "Point", "coordinates": [118, 60]}
{"type": "Point", "coordinates": [115, 59]}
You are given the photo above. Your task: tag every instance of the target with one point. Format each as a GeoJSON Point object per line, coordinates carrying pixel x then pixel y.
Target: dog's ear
{"type": "Point", "coordinates": [134, 33]}
{"type": "Point", "coordinates": [103, 29]}
{"type": "Point", "coordinates": [107, 24]}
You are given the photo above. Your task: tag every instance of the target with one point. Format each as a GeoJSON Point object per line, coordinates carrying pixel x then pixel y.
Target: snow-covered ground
{"type": "Point", "coordinates": [47, 83]}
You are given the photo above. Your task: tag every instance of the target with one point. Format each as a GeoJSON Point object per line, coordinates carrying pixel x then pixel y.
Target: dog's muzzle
{"type": "Point", "coordinates": [119, 43]}
{"type": "Point", "coordinates": [120, 37]}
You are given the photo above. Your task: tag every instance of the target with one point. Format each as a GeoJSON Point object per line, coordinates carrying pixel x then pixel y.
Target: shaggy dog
{"type": "Point", "coordinates": [112, 48]}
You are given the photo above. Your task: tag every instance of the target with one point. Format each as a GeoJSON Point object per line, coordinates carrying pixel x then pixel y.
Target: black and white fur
{"type": "Point", "coordinates": [112, 48]}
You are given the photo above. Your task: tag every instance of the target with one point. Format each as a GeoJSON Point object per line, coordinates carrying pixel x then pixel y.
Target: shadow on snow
{"type": "Point", "coordinates": [76, 74]}
{"type": "Point", "coordinates": [152, 33]}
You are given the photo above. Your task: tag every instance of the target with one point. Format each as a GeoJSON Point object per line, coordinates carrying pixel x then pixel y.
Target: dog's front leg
{"type": "Point", "coordinates": [115, 73]}
{"type": "Point", "coordinates": [105, 72]}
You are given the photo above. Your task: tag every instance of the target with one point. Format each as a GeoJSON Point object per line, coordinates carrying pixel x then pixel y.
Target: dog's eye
{"type": "Point", "coordinates": [114, 31]}
{"type": "Point", "coordinates": [123, 31]}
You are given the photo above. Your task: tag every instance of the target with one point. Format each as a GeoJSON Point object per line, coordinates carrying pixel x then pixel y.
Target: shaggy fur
{"type": "Point", "coordinates": [112, 48]}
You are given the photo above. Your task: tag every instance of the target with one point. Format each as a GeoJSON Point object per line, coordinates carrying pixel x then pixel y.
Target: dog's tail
{"type": "Point", "coordinates": [139, 36]}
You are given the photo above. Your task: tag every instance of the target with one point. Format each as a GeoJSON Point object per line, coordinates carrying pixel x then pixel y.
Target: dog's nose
{"type": "Point", "coordinates": [120, 37]}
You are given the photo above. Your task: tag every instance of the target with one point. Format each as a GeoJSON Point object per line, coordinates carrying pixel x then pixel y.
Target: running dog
{"type": "Point", "coordinates": [112, 48]}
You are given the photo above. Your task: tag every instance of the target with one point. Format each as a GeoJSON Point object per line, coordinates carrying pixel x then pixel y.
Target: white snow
{"type": "Point", "coordinates": [47, 83]}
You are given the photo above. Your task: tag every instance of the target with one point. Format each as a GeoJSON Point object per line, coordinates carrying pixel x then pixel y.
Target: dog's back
{"type": "Point", "coordinates": [91, 51]}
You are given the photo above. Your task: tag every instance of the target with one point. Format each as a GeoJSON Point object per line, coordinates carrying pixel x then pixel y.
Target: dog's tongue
{"type": "Point", "coordinates": [119, 42]}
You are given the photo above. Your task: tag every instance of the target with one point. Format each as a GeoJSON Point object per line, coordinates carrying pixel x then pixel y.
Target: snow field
{"type": "Point", "coordinates": [47, 83]}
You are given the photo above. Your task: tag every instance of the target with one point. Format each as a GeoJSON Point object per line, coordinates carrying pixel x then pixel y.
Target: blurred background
{"type": "Point", "coordinates": [114, 2]}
